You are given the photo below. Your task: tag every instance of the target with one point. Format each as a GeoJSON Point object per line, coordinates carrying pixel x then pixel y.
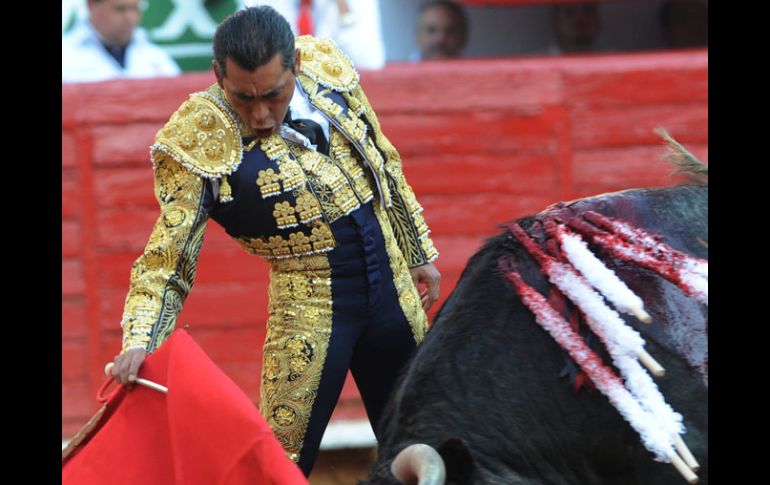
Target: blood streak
{"type": "Point", "coordinates": [561, 331]}
{"type": "Point", "coordinates": [659, 259]}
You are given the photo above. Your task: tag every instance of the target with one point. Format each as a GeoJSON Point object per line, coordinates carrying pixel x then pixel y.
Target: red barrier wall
{"type": "Point", "coordinates": [483, 141]}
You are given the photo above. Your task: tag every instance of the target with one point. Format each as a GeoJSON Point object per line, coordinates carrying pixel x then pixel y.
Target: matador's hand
{"type": "Point", "coordinates": [427, 275]}
{"type": "Point", "coordinates": [127, 366]}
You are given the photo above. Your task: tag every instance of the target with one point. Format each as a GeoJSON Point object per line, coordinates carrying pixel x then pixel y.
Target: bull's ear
{"type": "Point", "coordinates": [457, 459]}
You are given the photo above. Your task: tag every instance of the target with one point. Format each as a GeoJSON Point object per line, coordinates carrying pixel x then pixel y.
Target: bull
{"type": "Point", "coordinates": [487, 399]}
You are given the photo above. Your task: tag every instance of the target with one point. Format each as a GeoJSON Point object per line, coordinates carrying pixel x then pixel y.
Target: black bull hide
{"type": "Point", "coordinates": [485, 390]}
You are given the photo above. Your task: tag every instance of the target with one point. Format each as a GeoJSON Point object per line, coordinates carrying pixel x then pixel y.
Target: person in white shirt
{"type": "Point", "coordinates": [354, 25]}
{"type": "Point", "coordinates": [110, 45]}
{"type": "Point", "coordinates": [442, 31]}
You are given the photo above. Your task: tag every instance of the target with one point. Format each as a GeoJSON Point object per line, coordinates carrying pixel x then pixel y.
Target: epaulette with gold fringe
{"type": "Point", "coordinates": [324, 63]}
{"type": "Point", "coordinates": [204, 137]}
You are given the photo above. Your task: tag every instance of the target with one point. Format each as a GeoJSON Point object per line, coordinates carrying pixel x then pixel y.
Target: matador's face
{"type": "Point", "coordinates": [261, 97]}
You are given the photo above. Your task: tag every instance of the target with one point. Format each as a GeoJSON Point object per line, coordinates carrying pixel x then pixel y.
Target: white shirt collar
{"type": "Point", "coordinates": [301, 108]}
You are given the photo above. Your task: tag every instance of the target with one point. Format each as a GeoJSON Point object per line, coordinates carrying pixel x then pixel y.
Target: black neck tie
{"type": "Point", "coordinates": [311, 130]}
{"type": "Point", "coordinates": [118, 53]}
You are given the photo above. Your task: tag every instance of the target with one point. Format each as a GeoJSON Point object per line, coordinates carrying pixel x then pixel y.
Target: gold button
{"type": "Point", "coordinates": [332, 68]}
{"type": "Point", "coordinates": [205, 120]}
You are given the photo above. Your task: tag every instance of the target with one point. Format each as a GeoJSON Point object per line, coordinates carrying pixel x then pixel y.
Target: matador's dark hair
{"type": "Point", "coordinates": [252, 37]}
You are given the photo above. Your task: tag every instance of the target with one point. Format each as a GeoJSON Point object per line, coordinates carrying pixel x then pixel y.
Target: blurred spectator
{"type": "Point", "coordinates": [576, 27]}
{"type": "Point", "coordinates": [110, 45]}
{"type": "Point", "coordinates": [354, 25]}
{"type": "Point", "coordinates": [442, 30]}
{"type": "Point", "coordinates": [685, 23]}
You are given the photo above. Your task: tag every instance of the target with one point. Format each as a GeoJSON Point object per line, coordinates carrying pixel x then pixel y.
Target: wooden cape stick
{"type": "Point", "coordinates": [139, 380]}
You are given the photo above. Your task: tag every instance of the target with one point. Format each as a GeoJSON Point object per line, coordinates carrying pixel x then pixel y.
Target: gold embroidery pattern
{"type": "Point", "coordinates": [298, 243]}
{"type": "Point", "coordinates": [312, 262]}
{"type": "Point", "coordinates": [326, 198]}
{"type": "Point", "coordinates": [320, 167]}
{"type": "Point", "coordinates": [425, 242]}
{"type": "Point", "coordinates": [330, 181]}
{"type": "Point", "coordinates": [375, 157]}
{"type": "Point", "coordinates": [284, 215]}
{"type": "Point", "coordinates": [405, 235]}
{"type": "Point", "coordinates": [364, 187]}
{"type": "Point", "coordinates": [356, 105]}
{"type": "Point", "coordinates": [351, 123]}
{"type": "Point", "coordinates": [431, 253]}
{"type": "Point", "coordinates": [373, 154]}
{"type": "Point", "coordinates": [321, 102]}
{"type": "Point", "coordinates": [354, 128]}
{"type": "Point", "coordinates": [295, 180]}
{"type": "Point", "coordinates": [350, 164]}
{"type": "Point", "coordinates": [406, 213]}
{"type": "Point", "coordinates": [420, 225]}
{"type": "Point", "coordinates": [339, 147]}
{"type": "Point", "coordinates": [298, 331]}
{"type": "Point", "coordinates": [357, 96]}
{"type": "Point", "coordinates": [267, 180]}
{"type": "Point", "coordinates": [215, 93]}
{"type": "Point", "coordinates": [346, 200]}
{"type": "Point", "coordinates": [411, 230]}
{"type": "Point", "coordinates": [308, 207]}
{"type": "Point", "coordinates": [408, 297]}
{"type": "Point", "coordinates": [289, 172]}
{"type": "Point", "coordinates": [322, 173]}
{"type": "Point", "coordinates": [162, 276]}
{"type": "Point", "coordinates": [203, 136]}
{"type": "Point", "coordinates": [321, 238]}
{"type": "Point", "coordinates": [326, 64]}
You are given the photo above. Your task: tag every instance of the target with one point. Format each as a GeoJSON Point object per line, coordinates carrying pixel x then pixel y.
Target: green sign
{"type": "Point", "coordinates": [183, 28]}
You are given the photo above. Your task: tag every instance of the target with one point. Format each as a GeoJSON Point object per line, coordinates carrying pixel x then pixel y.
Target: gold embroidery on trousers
{"type": "Point", "coordinates": [298, 331]}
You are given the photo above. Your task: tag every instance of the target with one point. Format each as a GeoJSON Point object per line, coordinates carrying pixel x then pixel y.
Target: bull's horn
{"type": "Point", "coordinates": [420, 464]}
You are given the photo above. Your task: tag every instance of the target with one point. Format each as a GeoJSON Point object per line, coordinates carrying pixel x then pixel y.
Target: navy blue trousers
{"type": "Point", "coordinates": [370, 333]}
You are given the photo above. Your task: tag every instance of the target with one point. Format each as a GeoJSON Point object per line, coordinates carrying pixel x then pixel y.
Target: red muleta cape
{"type": "Point", "coordinates": [205, 431]}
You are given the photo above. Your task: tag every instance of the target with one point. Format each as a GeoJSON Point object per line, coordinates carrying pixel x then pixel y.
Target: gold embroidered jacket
{"type": "Point", "coordinates": [273, 197]}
